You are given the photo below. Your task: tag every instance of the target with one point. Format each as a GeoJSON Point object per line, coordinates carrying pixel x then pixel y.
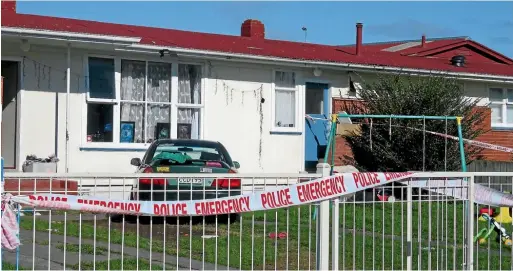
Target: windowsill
{"type": "Point", "coordinates": [275, 132]}
{"type": "Point", "coordinates": [108, 146]}
{"type": "Point", "coordinates": [502, 128]}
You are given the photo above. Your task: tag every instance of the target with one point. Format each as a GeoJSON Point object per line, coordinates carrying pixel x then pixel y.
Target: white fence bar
{"type": "Point", "coordinates": [470, 225]}
{"type": "Point", "coordinates": [421, 229]}
{"type": "Point", "coordinates": [323, 225]}
{"type": "Point", "coordinates": [409, 229]}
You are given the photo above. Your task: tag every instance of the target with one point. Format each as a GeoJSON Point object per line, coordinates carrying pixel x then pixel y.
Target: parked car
{"type": "Point", "coordinates": [186, 156]}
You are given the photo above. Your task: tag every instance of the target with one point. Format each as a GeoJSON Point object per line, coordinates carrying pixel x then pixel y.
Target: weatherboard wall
{"type": "Point", "coordinates": [232, 113]}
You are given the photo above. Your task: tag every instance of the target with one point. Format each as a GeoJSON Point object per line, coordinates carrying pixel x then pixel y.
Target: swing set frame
{"type": "Point", "coordinates": [334, 122]}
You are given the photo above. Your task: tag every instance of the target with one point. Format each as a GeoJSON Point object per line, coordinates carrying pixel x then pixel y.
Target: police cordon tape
{"type": "Point", "coordinates": [308, 192]}
{"type": "Point", "coordinates": [458, 188]}
{"type": "Point", "coordinates": [468, 141]}
{"type": "Point", "coordinates": [475, 142]}
{"type": "Point", "coordinates": [317, 190]}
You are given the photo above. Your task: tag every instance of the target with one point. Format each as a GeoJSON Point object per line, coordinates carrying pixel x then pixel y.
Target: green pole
{"type": "Point", "coordinates": [334, 136]}
{"type": "Point", "coordinates": [462, 148]}
{"type": "Point", "coordinates": [463, 163]}
{"type": "Point", "coordinates": [330, 138]}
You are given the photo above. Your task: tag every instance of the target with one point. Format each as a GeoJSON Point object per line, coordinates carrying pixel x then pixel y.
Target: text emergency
{"type": "Point", "coordinates": [312, 191]}
{"type": "Point", "coordinates": [220, 206]}
{"type": "Point", "coordinates": [395, 175]}
{"type": "Point", "coordinates": [130, 207]}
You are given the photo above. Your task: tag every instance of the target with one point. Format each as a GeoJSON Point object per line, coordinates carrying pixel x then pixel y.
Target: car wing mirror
{"type": "Point", "coordinates": [135, 162]}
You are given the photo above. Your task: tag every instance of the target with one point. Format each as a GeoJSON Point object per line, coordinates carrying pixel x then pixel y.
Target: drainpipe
{"type": "Point", "coordinates": [68, 88]}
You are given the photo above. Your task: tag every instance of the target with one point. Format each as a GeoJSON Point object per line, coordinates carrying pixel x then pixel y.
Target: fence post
{"type": "Point", "coordinates": [335, 238]}
{"type": "Point", "coordinates": [409, 229]}
{"type": "Point", "coordinates": [323, 225]}
{"type": "Point", "coordinates": [470, 229]}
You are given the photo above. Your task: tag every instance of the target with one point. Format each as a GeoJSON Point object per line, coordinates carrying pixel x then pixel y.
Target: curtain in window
{"type": "Point", "coordinates": [496, 113]}
{"type": "Point", "coordinates": [285, 108]}
{"type": "Point", "coordinates": [509, 114]}
{"type": "Point", "coordinates": [159, 90]}
{"type": "Point", "coordinates": [189, 92]}
{"type": "Point", "coordinates": [159, 82]}
{"type": "Point", "coordinates": [189, 84]}
{"type": "Point", "coordinates": [132, 89]}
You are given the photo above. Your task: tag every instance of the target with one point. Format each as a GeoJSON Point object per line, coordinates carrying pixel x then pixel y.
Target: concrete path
{"type": "Point", "coordinates": [44, 253]}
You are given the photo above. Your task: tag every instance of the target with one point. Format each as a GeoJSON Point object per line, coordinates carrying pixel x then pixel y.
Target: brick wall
{"type": "Point", "coordinates": [342, 148]}
{"type": "Point", "coordinates": [28, 187]}
{"type": "Point", "coordinates": [502, 138]}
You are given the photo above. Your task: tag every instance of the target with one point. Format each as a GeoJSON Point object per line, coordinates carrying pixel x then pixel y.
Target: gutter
{"type": "Point", "coordinates": [68, 36]}
{"type": "Point", "coordinates": [333, 65]}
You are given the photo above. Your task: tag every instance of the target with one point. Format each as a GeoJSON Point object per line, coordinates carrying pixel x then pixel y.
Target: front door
{"type": "Point", "coordinates": [317, 105]}
{"type": "Point", "coordinates": [10, 89]}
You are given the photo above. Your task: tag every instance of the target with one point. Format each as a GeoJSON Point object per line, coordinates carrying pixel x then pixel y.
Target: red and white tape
{"type": "Point", "coordinates": [303, 193]}
{"type": "Point", "coordinates": [474, 142]}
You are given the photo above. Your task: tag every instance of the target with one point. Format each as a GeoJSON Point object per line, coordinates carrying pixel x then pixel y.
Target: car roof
{"type": "Point", "coordinates": [189, 142]}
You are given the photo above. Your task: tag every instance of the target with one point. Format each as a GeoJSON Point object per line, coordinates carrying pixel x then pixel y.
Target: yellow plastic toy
{"type": "Point", "coordinates": [504, 217]}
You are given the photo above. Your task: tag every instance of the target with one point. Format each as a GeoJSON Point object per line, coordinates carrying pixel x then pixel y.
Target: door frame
{"type": "Point", "coordinates": [19, 97]}
{"type": "Point", "coordinates": [304, 81]}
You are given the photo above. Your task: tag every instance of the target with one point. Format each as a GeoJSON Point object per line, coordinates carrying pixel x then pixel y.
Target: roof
{"type": "Point", "coordinates": [188, 142]}
{"type": "Point", "coordinates": [410, 55]}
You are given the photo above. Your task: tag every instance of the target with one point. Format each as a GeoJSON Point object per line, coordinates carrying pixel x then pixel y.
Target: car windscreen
{"type": "Point", "coordinates": [191, 152]}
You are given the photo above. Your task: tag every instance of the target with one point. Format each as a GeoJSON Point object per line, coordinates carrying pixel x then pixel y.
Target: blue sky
{"type": "Point", "coordinates": [490, 23]}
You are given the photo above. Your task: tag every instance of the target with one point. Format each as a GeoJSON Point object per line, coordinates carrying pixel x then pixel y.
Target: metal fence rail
{"type": "Point", "coordinates": [420, 229]}
{"type": "Point", "coordinates": [73, 240]}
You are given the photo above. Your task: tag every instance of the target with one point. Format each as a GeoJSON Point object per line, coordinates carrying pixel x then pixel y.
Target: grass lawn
{"type": "Point", "coordinates": [128, 264]}
{"type": "Point", "coordinates": [246, 245]}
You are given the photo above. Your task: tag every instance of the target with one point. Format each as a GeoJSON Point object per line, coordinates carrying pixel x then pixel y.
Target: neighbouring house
{"type": "Point", "coordinates": [74, 87]}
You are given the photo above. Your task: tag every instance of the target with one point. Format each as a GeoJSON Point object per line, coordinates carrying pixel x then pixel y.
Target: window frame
{"type": "Point", "coordinates": [297, 128]}
{"type": "Point", "coordinates": [504, 104]}
{"type": "Point", "coordinates": [116, 102]}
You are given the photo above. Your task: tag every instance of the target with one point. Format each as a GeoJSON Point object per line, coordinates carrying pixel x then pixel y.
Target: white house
{"type": "Point", "coordinates": [69, 85]}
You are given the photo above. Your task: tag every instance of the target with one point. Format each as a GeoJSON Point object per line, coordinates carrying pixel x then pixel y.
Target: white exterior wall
{"type": "Point", "coordinates": [231, 113]}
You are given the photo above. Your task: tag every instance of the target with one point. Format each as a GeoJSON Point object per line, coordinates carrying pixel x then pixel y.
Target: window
{"type": "Point", "coordinates": [101, 92]}
{"type": "Point", "coordinates": [285, 101]}
{"type": "Point", "coordinates": [138, 107]}
{"type": "Point", "coordinates": [189, 97]}
{"type": "Point", "coordinates": [501, 104]}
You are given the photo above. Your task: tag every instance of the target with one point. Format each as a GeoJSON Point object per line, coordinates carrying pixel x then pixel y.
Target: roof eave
{"type": "Point", "coordinates": [332, 65]}
{"type": "Point", "coordinates": [68, 36]}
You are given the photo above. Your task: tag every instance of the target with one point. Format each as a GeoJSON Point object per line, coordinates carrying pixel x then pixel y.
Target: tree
{"type": "Point", "coordinates": [376, 149]}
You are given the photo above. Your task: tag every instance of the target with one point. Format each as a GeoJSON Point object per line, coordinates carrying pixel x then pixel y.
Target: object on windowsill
{"type": "Point", "coordinates": [34, 164]}
{"type": "Point", "coordinates": [184, 130]}
{"type": "Point", "coordinates": [162, 130]}
{"type": "Point", "coordinates": [127, 131]}
{"type": "Point", "coordinates": [98, 137]}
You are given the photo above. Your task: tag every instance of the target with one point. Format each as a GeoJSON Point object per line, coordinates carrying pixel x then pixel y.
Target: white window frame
{"type": "Point", "coordinates": [116, 102]}
{"type": "Point", "coordinates": [297, 127]}
{"type": "Point", "coordinates": [504, 103]}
